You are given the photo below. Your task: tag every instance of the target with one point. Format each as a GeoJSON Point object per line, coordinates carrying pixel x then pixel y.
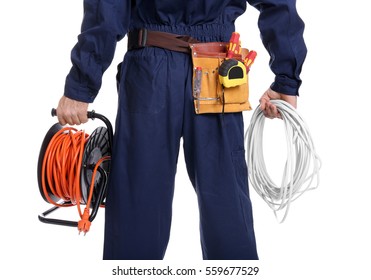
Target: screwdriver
{"type": "Point", "coordinates": [249, 60]}
{"type": "Point", "coordinates": [234, 45]}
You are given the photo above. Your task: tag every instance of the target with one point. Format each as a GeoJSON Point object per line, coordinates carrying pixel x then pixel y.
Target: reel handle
{"type": "Point", "coordinates": [93, 115]}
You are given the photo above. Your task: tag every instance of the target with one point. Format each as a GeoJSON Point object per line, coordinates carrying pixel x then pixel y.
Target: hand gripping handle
{"type": "Point", "coordinates": [93, 115]}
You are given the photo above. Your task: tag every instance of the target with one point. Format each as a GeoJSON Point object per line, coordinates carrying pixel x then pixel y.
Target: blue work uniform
{"type": "Point", "coordinates": [156, 111]}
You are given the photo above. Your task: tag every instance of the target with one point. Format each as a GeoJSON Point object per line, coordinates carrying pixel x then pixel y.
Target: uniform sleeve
{"type": "Point", "coordinates": [282, 30]}
{"type": "Point", "coordinates": [105, 22]}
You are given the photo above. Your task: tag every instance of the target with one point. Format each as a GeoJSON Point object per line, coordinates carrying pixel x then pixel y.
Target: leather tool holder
{"type": "Point", "coordinates": [213, 96]}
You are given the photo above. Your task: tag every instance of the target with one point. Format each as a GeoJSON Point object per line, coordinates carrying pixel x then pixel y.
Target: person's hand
{"type": "Point", "coordinates": [71, 111]}
{"type": "Point", "coordinates": [269, 109]}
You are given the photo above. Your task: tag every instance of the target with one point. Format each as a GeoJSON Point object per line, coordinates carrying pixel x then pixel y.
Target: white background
{"type": "Point", "coordinates": [327, 232]}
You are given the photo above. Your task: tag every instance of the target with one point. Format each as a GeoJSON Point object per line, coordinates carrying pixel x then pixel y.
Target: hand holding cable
{"type": "Point", "coordinates": [269, 109]}
{"type": "Point", "coordinates": [302, 163]}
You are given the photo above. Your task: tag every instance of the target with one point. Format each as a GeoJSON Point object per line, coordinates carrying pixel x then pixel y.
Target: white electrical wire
{"type": "Point", "coordinates": [302, 162]}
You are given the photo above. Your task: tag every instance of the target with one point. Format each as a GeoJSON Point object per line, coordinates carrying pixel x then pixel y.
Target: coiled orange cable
{"type": "Point", "coordinates": [61, 170]}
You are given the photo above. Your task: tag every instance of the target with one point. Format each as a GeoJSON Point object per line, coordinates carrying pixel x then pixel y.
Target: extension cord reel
{"type": "Point", "coordinates": [90, 164]}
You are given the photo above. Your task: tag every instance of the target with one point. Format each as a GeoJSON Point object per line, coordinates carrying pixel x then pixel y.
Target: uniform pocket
{"type": "Point", "coordinates": [143, 83]}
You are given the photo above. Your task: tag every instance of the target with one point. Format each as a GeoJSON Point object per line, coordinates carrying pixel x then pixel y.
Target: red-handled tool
{"type": "Point", "coordinates": [234, 45]}
{"type": "Point", "coordinates": [249, 60]}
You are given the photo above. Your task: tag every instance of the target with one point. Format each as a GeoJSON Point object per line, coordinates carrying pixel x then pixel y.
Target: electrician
{"type": "Point", "coordinates": [155, 110]}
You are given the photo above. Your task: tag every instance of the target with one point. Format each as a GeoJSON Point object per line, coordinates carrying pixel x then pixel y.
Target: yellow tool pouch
{"type": "Point", "coordinates": [212, 96]}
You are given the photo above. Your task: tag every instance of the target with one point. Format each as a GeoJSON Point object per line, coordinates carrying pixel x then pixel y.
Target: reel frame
{"type": "Point", "coordinates": [89, 160]}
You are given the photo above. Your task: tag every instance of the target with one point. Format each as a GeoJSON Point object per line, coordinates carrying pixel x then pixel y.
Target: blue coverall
{"type": "Point", "coordinates": [155, 110]}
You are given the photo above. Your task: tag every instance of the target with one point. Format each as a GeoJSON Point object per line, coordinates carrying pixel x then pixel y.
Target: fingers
{"type": "Point", "coordinates": [72, 112]}
{"type": "Point", "coordinates": [71, 119]}
{"type": "Point", "coordinates": [269, 110]}
{"type": "Point", "coordinates": [61, 120]}
{"type": "Point", "coordinates": [264, 100]}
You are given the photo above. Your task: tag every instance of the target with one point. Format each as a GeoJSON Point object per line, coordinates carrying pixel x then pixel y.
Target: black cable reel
{"type": "Point", "coordinates": [97, 146]}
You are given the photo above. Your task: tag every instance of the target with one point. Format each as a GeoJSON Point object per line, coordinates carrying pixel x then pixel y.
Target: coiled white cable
{"type": "Point", "coordinates": [302, 163]}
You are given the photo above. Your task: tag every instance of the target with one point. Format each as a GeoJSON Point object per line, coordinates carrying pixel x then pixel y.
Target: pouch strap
{"type": "Point", "coordinates": [140, 38]}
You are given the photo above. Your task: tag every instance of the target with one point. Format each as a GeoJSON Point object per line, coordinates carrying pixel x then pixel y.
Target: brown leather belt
{"type": "Point", "coordinates": [140, 38]}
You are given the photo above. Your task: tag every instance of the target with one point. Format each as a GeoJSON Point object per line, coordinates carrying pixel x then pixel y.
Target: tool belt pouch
{"type": "Point", "coordinates": [213, 97]}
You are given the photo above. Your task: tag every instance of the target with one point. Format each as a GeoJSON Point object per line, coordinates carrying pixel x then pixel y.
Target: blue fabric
{"type": "Point", "coordinates": [107, 21]}
{"type": "Point", "coordinates": [155, 112]}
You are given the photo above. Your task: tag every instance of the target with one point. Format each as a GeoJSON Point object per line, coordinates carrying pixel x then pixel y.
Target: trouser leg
{"type": "Point", "coordinates": [215, 157]}
{"type": "Point", "coordinates": [146, 146]}
{"type": "Point", "coordinates": [153, 114]}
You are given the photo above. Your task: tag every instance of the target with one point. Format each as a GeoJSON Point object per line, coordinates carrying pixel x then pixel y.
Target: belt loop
{"type": "Point", "coordinates": [143, 35]}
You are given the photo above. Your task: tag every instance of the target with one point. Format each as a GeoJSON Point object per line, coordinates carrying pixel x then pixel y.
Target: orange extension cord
{"type": "Point", "coordinates": [61, 168]}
